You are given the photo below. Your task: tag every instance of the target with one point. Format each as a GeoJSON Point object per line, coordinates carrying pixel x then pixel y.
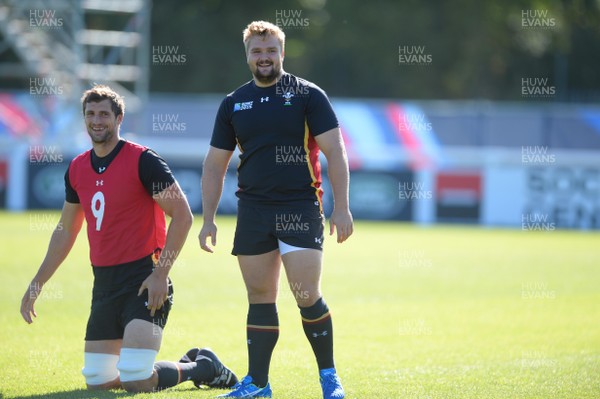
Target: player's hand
{"type": "Point", "coordinates": [158, 291]}
{"type": "Point", "coordinates": [27, 303]}
{"type": "Point", "coordinates": [209, 229]}
{"type": "Point", "coordinates": [341, 220]}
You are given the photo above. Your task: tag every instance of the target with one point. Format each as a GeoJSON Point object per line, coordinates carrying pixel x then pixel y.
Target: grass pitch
{"type": "Point", "coordinates": [436, 312]}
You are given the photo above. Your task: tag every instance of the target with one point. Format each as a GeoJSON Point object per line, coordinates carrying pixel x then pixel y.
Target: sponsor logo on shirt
{"type": "Point", "coordinates": [242, 106]}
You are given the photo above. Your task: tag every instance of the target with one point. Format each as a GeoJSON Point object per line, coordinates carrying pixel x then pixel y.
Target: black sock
{"type": "Point", "coordinates": [173, 373]}
{"type": "Point", "coordinates": [318, 328]}
{"type": "Point", "coordinates": [262, 331]}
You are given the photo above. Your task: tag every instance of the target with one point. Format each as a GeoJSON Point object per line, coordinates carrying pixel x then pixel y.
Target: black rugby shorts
{"type": "Point", "coordinates": [260, 226]}
{"type": "Point", "coordinates": [115, 301]}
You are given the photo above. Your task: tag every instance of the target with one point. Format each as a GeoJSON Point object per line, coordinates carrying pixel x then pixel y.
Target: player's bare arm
{"type": "Point", "coordinates": [173, 202]}
{"type": "Point", "coordinates": [332, 145]}
{"type": "Point", "coordinates": [213, 176]}
{"type": "Point", "coordinates": [61, 242]}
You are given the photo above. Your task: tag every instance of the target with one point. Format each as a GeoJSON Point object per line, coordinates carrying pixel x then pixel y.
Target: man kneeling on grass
{"type": "Point", "coordinates": [123, 191]}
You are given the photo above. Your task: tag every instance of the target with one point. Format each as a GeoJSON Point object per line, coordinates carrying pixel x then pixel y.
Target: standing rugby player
{"type": "Point", "coordinates": [123, 191]}
{"type": "Point", "coordinates": [279, 122]}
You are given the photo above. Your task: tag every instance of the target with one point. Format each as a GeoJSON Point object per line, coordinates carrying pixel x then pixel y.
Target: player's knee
{"type": "Point", "coordinates": [306, 300]}
{"type": "Point", "coordinates": [305, 295]}
{"type": "Point", "coordinates": [99, 369]}
{"type": "Point", "coordinates": [261, 295]}
{"type": "Point", "coordinates": [136, 367]}
{"type": "Point", "coordinates": [261, 291]}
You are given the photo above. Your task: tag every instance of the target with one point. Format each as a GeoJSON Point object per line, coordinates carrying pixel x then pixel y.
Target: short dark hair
{"type": "Point", "coordinates": [100, 93]}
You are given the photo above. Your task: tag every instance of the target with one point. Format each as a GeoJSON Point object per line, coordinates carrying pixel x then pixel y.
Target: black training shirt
{"type": "Point", "coordinates": [274, 128]}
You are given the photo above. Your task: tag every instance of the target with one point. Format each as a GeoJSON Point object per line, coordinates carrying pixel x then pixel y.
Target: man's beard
{"type": "Point", "coordinates": [101, 139]}
{"type": "Point", "coordinates": [268, 78]}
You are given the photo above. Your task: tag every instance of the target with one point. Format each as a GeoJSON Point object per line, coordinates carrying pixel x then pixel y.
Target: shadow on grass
{"type": "Point", "coordinates": [85, 394]}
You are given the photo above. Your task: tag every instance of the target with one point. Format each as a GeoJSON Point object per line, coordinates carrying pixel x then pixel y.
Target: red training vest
{"type": "Point", "coordinates": [124, 223]}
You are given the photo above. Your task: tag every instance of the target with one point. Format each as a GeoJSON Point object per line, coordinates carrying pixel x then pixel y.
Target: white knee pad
{"type": "Point", "coordinates": [99, 368]}
{"type": "Point", "coordinates": [136, 364]}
